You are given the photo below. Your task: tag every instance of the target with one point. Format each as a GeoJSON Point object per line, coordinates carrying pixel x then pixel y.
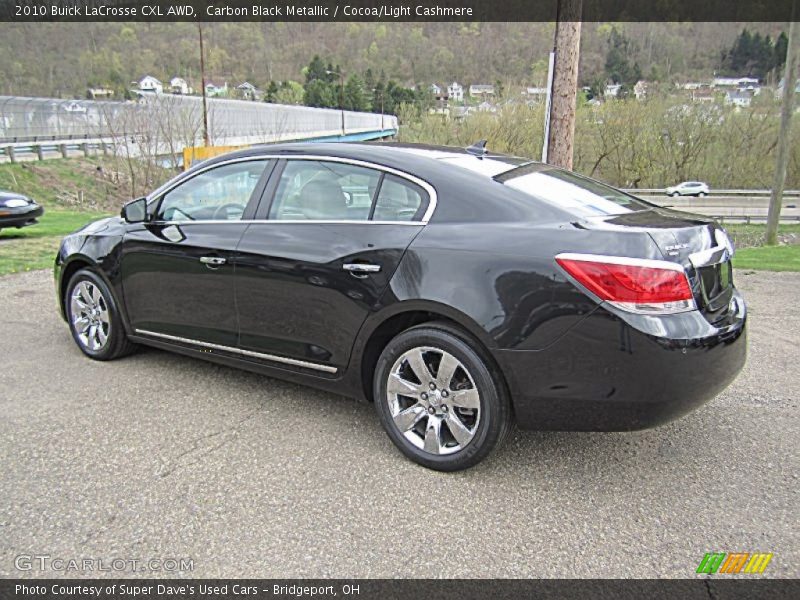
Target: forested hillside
{"type": "Point", "coordinates": [63, 59]}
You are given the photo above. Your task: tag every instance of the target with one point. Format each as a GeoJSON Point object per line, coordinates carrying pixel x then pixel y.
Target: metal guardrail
{"type": "Point", "coordinates": [107, 146]}
{"type": "Point", "coordinates": [751, 219]}
{"type": "Point", "coordinates": [754, 193]}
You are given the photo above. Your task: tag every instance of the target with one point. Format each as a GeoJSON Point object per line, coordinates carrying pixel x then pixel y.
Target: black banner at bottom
{"type": "Point", "coordinates": [385, 589]}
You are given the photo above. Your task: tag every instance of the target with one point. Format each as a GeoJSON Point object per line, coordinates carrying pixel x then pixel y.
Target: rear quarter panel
{"type": "Point", "coordinates": [502, 278]}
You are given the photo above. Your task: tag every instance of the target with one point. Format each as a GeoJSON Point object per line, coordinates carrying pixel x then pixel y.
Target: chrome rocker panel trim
{"type": "Point", "coordinates": [271, 357]}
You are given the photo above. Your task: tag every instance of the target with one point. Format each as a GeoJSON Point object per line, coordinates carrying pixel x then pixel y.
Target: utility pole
{"type": "Point", "coordinates": [787, 109]}
{"type": "Point", "coordinates": [206, 139]}
{"type": "Point", "coordinates": [565, 83]}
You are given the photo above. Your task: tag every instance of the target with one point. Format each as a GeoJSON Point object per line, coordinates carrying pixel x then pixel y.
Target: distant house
{"type": "Point", "coordinates": [735, 82]}
{"type": "Point", "coordinates": [178, 85]}
{"type": "Point", "coordinates": [216, 88]}
{"type": "Point", "coordinates": [435, 89]}
{"type": "Point", "coordinates": [779, 91]}
{"type": "Point", "coordinates": [693, 85]}
{"type": "Point", "coordinates": [612, 90]}
{"type": "Point", "coordinates": [248, 91]}
{"type": "Point", "coordinates": [456, 92]}
{"type": "Point", "coordinates": [99, 93]}
{"type": "Point", "coordinates": [703, 96]}
{"type": "Point", "coordinates": [640, 89]}
{"type": "Point", "coordinates": [535, 94]}
{"type": "Point", "coordinates": [150, 85]}
{"type": "Point", "coordinates": [739, 98]}
{"type": "Point", "coordinates": [481, 90]}
{"type": "Point", "coordinates": [487, 107]}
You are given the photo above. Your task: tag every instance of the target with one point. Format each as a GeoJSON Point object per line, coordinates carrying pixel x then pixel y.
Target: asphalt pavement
{"type": "Point", "coordinates": [159, 456]}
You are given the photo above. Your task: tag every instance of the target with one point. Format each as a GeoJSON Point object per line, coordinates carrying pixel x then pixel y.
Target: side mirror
{"type": "Point", "coordinates": [135, 211]}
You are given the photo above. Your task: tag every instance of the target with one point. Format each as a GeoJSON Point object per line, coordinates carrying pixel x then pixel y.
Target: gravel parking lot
{"type": "Point", "coordinates": [161, 456]}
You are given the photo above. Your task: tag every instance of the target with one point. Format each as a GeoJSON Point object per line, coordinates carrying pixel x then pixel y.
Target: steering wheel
{"type": "Point", "coordinates": [222, 211]}
{"type": "Point", "coordinates": [175, 210]}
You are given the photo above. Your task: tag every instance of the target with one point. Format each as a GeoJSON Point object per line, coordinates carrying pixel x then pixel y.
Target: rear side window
{"type": "Point", "coordinates": [399, 200]}
{"type": "Point", "coordinates": [580, 195]}
{"type": "Point", "coordinates": [316, 190]}
{"type": "Point", "coordinates": [311, 190]}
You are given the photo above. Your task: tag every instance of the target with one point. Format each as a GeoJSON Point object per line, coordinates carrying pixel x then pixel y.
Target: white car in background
{"type": "Point", "coordinates": [688, 188]}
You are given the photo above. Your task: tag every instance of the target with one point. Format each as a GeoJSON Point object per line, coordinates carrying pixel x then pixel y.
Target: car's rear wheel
{"type": "Point", "coordinates": [702, 194]}
{"type": "Point", "coordinates": [94, 318]}
{"type": "Point", "coordinates": [439, 397]}
{"type": "Point", "coordinates": [673, 194]}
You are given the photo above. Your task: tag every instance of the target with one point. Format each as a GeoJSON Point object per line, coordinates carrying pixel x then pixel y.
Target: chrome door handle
{"type": "Point", "coordinates": [214, 261]}
{"type": "Point", "coordinates": [358, 268]}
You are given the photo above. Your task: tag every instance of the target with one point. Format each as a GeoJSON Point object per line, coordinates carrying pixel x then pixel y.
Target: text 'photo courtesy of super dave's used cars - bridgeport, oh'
{"type": "Point", "coordinates": [457, 290]}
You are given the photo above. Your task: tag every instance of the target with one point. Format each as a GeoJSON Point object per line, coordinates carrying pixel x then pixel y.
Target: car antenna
{"type": "Point", "coordinates": [478, 149]}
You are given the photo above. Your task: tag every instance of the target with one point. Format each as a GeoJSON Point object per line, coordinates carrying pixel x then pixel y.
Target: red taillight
{"type": "Point", "coordinates": [644, 286]}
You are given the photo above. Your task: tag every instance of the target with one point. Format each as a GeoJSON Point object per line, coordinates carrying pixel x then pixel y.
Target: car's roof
{"type": "Point", "coordinates": [417, 159]}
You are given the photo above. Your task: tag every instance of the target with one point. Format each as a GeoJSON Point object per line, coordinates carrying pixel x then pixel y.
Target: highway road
{"type": "Point", "coordinates": [162, 456]}
{"type": "Point", "coordinates": [729, 206]}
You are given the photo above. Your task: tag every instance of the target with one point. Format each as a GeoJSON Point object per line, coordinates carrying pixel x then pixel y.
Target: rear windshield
{"type": "Point", "coordinates": [580, 195]}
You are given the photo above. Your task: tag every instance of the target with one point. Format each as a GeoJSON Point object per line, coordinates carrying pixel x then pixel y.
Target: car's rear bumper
{"type": "Point", "coordinates": [606, 375]}
{"type": "Point", "coordinates": [19, 217]}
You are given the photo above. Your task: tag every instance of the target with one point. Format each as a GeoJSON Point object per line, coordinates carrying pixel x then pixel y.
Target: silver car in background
{"type": "Point", "coordinates": [688, 188]}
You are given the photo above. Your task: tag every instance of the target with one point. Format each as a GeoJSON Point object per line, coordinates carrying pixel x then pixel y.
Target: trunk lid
{"type": "Point", "coordinates": [696, 242]}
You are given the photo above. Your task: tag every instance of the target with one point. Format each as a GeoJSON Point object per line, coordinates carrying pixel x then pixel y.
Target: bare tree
{"type": "Point", "coordinates": [565, 83]}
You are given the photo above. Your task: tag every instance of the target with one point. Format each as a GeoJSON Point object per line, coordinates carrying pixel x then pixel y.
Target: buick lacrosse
{"type": "Point", "coordinates": [457, 290]}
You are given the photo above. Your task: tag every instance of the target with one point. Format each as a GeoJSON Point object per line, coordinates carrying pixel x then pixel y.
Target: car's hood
{"type": "Point", "coordinates": [104, 225]}
{"type": "Point", "coordinates": [5, 195]}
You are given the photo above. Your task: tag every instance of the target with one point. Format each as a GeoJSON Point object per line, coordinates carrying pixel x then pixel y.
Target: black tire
{"type": "Point", "coordinates": [701, 195]}
{"type": "Point", "coordinates": [495, 420]}
{"type": "Point", "coordinates": [673, 194]}
{"type": "Point", "coordinates": [116, 343]}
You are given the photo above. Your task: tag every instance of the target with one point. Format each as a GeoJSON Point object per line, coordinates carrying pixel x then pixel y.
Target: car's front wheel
{"type": "Point", "coordinates": [94, 318]}
{"type": "Point", "coordinates": [440, 398]}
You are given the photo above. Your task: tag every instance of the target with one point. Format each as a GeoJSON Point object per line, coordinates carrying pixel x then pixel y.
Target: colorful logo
{"type": "Point", "coordinates": [734, 562]}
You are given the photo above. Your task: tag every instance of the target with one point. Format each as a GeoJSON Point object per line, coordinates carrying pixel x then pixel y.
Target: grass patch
{"type": "Point", "coordinates": [768, 258]}
{"type": "Point", "coordinates": [64, 181]}
{"type": "Point", "coordinates": [34, 247]}
{"type": "Point", "coordinates": [749, 236]}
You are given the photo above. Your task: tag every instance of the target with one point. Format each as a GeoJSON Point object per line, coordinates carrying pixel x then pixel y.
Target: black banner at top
{"type": "Point", "coordinates": [393, 10]}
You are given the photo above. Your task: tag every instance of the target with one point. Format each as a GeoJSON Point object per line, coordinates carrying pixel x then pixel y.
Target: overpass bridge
{"type": "Point", "coordinates": [163, 125]}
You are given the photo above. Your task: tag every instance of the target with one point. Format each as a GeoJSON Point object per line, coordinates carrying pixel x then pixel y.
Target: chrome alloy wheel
{"type": "Point", "coordinates": [90, 318]}
{"type": "Point", "coordinates": [433, 400]}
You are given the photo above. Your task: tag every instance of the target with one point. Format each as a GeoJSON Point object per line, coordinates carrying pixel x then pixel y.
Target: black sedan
{"type": "Point", "coordinates": [458, 291]}
{"type": "Point", "coordinates": [17, 210]}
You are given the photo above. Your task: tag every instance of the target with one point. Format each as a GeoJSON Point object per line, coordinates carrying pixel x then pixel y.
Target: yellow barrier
{"type": "Point", "coordinates": [196, 153]}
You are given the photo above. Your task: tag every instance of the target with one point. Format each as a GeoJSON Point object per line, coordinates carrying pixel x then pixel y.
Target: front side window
{"type": "Point", "coordinates": [221, 193]}
{"type": "Point", "coordinates": [312, 190]}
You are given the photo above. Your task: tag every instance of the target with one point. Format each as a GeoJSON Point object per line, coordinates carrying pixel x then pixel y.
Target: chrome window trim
{"type": "Point", "coordinates": [288, 221]}
{"type": "Point", "coordinates": [263, 356]}
{"type": "Point", "coordinates": [431, 191]}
